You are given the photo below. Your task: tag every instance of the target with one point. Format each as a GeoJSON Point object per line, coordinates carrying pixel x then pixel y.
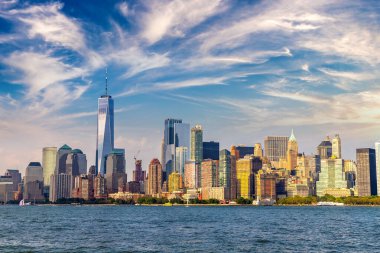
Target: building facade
{"type": "Point", "coordinates": [155, 177]}
{"type": "Point", "coordinates": [366, 181]}
{"type": "Point", "coordinates": [49, 160]}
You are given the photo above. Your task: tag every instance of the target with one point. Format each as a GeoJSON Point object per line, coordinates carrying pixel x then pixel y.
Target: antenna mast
{"type": "Point", "coordinates": [106, 83]}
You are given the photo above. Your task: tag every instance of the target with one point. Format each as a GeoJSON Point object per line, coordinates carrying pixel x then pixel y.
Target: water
{"type": "Point", "coordinates": [192, 229]}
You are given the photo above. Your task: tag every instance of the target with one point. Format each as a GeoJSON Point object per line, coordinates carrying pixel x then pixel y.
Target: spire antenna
{"type": "Point", "coordinates": [106, 82]}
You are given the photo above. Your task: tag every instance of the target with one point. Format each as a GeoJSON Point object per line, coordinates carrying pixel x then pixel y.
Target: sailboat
{"type": "Point", "coordinates": [22, 203]}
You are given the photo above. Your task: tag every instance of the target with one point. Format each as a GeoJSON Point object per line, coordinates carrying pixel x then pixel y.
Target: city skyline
{"type": "Point", "coordinates": [229, 83]}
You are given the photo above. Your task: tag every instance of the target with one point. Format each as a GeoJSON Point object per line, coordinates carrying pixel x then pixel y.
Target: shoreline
{"type": "Point", "coordinates": [198, 205]}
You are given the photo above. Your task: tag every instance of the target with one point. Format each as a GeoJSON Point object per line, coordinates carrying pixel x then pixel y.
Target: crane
{"type": "Point", "coordinates": [134, 157]}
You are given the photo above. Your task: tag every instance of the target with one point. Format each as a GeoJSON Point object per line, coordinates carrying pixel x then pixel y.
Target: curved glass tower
{"type": "Point", "coordinates": [105, 136]}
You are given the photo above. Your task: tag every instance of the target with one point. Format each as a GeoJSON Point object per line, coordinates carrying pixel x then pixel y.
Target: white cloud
{"type": "Point", "coordinates": [297, 96]}
{"type": "Point", "coordinates": [305, 67]}
{"type": "Point", "coordinates": [123, 8]}
{"type": "Point", "coordinates": [41, 70]}
{"type": "Point", "coordinates": [48, 22]}
{"type": "Point", "coordinates": [174, 18]}
{"type": "Point", "coordinates": [347, 75]}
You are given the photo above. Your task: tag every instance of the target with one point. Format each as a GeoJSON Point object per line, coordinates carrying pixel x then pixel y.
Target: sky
{"type": "Point", "coordinates": [242, 69]}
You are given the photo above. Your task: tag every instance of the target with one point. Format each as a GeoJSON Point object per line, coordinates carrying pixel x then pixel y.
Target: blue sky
{"type": "Point", "coordinates": [242, 69]}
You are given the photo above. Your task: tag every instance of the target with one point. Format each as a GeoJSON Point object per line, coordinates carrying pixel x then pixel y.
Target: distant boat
{"type": "Point", "coordinates": [22, 203]}
{"type": "Point", "coordinates": [263, 202]}
{"type": "Point", "coordinates": [168, 204]}
{"type": "Point", "coordinates": [326, 203]}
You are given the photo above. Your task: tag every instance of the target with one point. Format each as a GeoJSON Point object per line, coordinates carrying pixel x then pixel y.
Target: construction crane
{"type": "Point", "coordinates": [134, 157]}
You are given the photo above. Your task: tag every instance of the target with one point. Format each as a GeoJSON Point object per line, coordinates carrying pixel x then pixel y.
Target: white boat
{"type": "Point", "coordinates": [263, 202]}
{"type": "Point", "coordinates": [22, 203]}
{"type": "Point", "coordinates": [329, 203]}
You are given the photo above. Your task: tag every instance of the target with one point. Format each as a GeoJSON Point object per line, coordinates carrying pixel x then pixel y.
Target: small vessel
{"type": "Point", "coordinates": [263, 202]}
{"type": "Point", "coordinates": [22, 203]}
{"type": "Point", "coordinates": [329, 203]}
{"type": "Point", "coordinates": [168, 204]}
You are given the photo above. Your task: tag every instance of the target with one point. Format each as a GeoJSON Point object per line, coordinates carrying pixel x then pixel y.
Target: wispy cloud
{"type": "Point", "coordinates": [174, 18]}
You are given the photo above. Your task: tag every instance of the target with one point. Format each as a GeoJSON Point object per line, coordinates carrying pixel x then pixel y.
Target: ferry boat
{"type": "Point", "coordinates": [327, 203]}
{"type": "Point", "coordinates": [22, 203]}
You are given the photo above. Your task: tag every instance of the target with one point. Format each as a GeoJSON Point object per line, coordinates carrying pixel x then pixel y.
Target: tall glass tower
{"type": "Point", "coordinates": [105, 136]}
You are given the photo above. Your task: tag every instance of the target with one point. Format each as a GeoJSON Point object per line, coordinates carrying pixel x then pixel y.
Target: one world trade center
{"type": "Point", "coordinates": [105, 135]}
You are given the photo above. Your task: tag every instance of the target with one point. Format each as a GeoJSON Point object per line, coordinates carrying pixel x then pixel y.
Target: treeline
{"type": "Point", "coordinates": [109, 201]}
{"type": "Point", "coordinates": [160, 201]}
{"type": "Point", "coordinates": [297, 200]}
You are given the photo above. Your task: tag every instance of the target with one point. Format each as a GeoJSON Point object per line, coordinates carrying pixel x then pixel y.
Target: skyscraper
{"type": "Point", "coordinates": [196, 151]}
{"type": "Point", "coordinates": [210, 173]}
{"type": "Point", "coordinates": [258, 150]}
{"type": "Point", "coordinates": [61, 187]}
{"type": "Point", "coordinates": [49, 160]}
{"type": "Point", "coordinates": [366, 182]}
{"type": "Point", "coordinates": [105, 131]}
{"type": "Point", "coordinates": [336, 147]}
{"type": "Point", "coordinates": [276, 148]}
{"type": "Point", "coordinates": [196, 146]}
{"type": "Point", "coordinates": [116, 178]}
{"type": "Point", "coordinates": [332, 179]}
{"type": "Point", "coordinates": [61, 159]}
{"type": "Point", "coordinates": [181, 154]}
{"type": "Point", "coordinates": [211, 150]}
{"type": "Point", "coordinates": [377, 150]}
{"type": "Point", "coordinates": [324, 150]}
{"type": "Point", "coordinates": [155, 177]}
{"type": "Point", "coordinates": [245, 177]}
{"type": "Point", "coordinates": [176, 134]}
{"type": "Point", "coordinates": [292, 152]}
{"type": "Point", "coordinates": [225, 168]}
{"type": "Point", "coordinates": [138, 173]}
{"type": "Point", "coordinates": [33, 182]}
{"type": "Point", "coordinates": [244, 150]}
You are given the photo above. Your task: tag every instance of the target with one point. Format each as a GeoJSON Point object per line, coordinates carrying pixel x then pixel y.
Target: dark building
{"type": "Point", "coordinates": [133, 187]}
{"type": "Point", "coordinates": [243, 151]}
{"type": "Point", "coordinates": [324, 149]}
{"type": "Point", "coordinates": [211, 150]}
{"type": "Point", "coordinates": [16, 178]}
{"type": "Point", "coordinates": [366, 171]}
{"type": "Point", "coordinates": [138, 173]}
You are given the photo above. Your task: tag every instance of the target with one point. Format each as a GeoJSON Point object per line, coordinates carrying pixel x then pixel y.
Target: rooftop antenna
{"type": "Point", "coordinates": [106, 82]}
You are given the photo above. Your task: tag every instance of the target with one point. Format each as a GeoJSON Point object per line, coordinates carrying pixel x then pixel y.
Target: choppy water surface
{"type": "Point", "coordinates": [191, 229]}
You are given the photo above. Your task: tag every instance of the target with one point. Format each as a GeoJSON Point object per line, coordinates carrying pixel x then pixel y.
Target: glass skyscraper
{"type": "Point", "coordinates": [176, 134]}
{"type": "Point", "coordinates": [105, 136]}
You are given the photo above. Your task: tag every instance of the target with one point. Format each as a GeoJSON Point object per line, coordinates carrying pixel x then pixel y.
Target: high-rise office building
{"type": "Point", "coordinates": [105, 131]}
{"type": "Point", "coordinates": [324, 150]}
{"type": "Point", "coordinates": [191, 175]}
{"type": "Point", "coordinates": [377, 151]}
{"type": "Point", "coordinates": [49, 160]}
{"type": "Point", "coordinates": [225, 168]}
{"type": "Point", "coordinates": [175, 182]}
{"type": "Point", "coordinates": [366, 181]}
{"type": "Point", "coordinates": [60, 187]}
{"type": "Point", "coordinates": [292, 152]}
{"type": "Point", "coordinates": [33, 182]}
{"type": "Point", "coordinates": [176, 134]}
{"type": "Point", "coordinates": [258, 150]}
{"type": "Point", "coordinates": [196, 151]}
{"type": "Point", "coordinates": [332, 179]}
{"type": "Point", "coordinates": [16, 178]}
{"type": "Point", "coordinates": [181, 154]}
{"type": "Point", "coordinates": [209, 173]}
{"type": "Point", "coordinates": [276, 148]}
{"type": "Point", "coordinates": [138, 174]}
{"type": "Point", "coordinates": [62, 153]}
{"type": "Point", "coordinates": [116, 178]}
{"type": "Point", "coordinates": [336, 147]}
{"type": "Point", "coordinates": [100, 187]}
{"type": "Point", "coordinates": [244, 150]}
{"type": "Point", "coordinates": [211, 150]}
{"type": "Point", "coordinates": [196, 145]}
{"type": "Point", "coordinates": [155, 177]}
{"type": "Point", "coordinates": [244, 177]}
{"type": "Point", "coordinates": [265, 185]}
{"type": "Point", "coordinates": [6, 188]}
{"type": "Point", "coordinates": [76, 163]}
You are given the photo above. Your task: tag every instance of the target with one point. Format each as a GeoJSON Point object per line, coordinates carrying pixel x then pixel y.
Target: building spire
{"type": "Point", "coordinates": [106, 83]}
{"type": "Point", "coordinates": [292, 137]}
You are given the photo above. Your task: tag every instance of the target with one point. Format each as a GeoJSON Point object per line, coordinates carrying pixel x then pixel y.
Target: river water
{"type": "Point", "coordinates": [189, 229]}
